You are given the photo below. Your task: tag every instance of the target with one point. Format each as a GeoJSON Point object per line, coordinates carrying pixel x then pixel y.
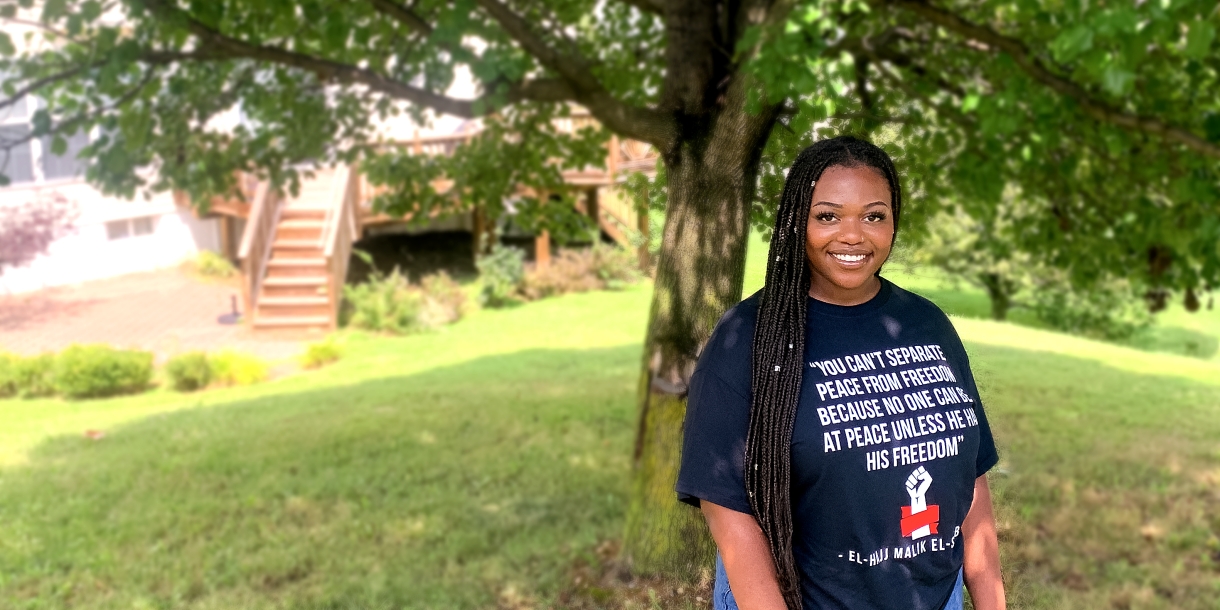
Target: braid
{"type": "Point", "coordinates": [779, 346]}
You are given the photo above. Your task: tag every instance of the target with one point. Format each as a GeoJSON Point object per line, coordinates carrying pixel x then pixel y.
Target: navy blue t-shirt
{"type": "Point", "coordinates": [889, 438]}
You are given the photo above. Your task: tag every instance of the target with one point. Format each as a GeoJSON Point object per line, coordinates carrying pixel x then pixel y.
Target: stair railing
{"type": "Point", "coordinates": [341, 231]}
{"type": "Point", "coordinates": [256, 241]}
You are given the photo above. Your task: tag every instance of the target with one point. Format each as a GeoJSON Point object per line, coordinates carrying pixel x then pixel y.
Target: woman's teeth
{"type": "Point", "coordinates": [849, 258]}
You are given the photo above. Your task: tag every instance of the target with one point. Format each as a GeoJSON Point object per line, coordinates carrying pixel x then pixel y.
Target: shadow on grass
{"type": "Point", "coordinates": [459, 487]}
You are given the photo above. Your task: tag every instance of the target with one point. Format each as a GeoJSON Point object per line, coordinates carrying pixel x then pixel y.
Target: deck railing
{"type": "Point", "coordinates": [256, 240]}
{"type": "Point", "coordinates": [341, 231]}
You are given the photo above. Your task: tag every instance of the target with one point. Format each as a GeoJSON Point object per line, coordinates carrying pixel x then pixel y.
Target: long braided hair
{"type": "Point", "coordinates": [779, 345]}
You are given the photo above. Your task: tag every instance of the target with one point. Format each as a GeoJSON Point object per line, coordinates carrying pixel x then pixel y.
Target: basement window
{"type": "Point", "coordinates": [130, 227]}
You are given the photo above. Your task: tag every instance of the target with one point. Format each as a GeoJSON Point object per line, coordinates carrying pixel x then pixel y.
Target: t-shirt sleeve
{"type": "Point", "coordinates": [714, 443]}
{"type": "Point", "coordinates": [987, 456]}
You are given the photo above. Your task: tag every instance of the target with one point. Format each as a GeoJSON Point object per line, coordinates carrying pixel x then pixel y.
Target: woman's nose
{"type": "Point", "coordinates": [850, 231]}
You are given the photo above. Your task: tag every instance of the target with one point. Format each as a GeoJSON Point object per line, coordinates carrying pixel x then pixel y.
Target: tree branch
{"type": "Point", "coordinates": [654, 127]}
{"type": "Point", "coordinates": [1037, 69]}
{"type": "Point", "coordinates": [82, 117]}
{"type": "Point", "coordinates": [325, 69]}
{"type": "Point", "coordinates": [402, 15]}
{"type": "Point", "coordinates": [655, 7]}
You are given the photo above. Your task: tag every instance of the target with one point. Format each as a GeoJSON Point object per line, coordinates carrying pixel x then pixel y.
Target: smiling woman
{"type": "Point", "coordinates": [823, 487]}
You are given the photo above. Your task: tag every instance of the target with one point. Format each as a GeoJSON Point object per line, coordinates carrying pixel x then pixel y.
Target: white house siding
{"type": "Point", "coordinates": [88, 252]}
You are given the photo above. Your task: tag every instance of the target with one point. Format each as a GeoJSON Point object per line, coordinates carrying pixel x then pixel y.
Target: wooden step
{"type": "Point", "coordinates": [291, 213]}
{"type": "Point", "coordinates": [296, 267]}
{"type": "Point", "coordinates": [300, 229]}
{"type": "Point", "coordinates": [293, 307]}
{"type": "Point", "coordinates": [297, 248]}
{"type": "Point", "coordinates": [295, 286]}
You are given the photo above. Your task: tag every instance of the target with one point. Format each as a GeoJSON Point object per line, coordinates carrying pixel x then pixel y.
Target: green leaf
{"type": "Point", "coordinates": [1211, 126]}
{"type": "Point", "coordinates": [970, 103]}
{"type": "Point", "coordinates": [8, 11]}
{"type": "Point", "coordinates": [1117, 80]}
{"type": "Point", "coordinates": [1199, 39]}
{"type": "Point", "coordinates": [1071, 43]}
{"type": "Point", "coordinates": [59, 145]}
{"type": "Point", "coordinates": [91, 10]}
{"type": "Point", "coordinates": [6, 45]}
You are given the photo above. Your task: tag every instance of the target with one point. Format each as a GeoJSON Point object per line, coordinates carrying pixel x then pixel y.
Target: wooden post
{"type": "Point", "coordinates": [612, 158]}
{"type": "Point", "coordinates": [417, 146]}
{"type": "Point", "coordinates": [542, 250]}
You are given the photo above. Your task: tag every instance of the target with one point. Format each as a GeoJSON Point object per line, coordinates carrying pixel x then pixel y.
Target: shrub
{"type": "Point", "coordinates": [569, 271]}
{"type": "Point", "coordinates": [616, 267]}
{"type": "Point", "coordinates": [230, 368]}
{"type": "Point", "coordinates": [595, 268]}
{"type": "Point", "coordinates": [502, 273]}
{"type": "Point", "coordinates": [86, 371]}
{"type": "Point", "coordinates": [442, 300]}
{"type": "Point", "coordinates": [321, 353]}
{"type": "Point", "coordinates": [35, 376]}
{"type": "Point", "coordinates": [8, 375]}
{"type": "Point", "coordinates": [211, 264]}
{"type": "Point", "coordinates": [1108, 310]}
{"type": "Point", "coordinates": [189, 372]}
{"type": "Point", "coordinates": [385, 303]}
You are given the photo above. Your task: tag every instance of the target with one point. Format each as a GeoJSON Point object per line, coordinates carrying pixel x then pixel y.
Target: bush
{"type": "Point", "coordinates": [596, 268]}
{"type": "Point", "coordinates": [1109, 310]}
{"type": "Point", "coordinates": [442, 300]}
{"type": "Point", "coordinates": [616, 267]}
{"type": "Point", "coordinates": [230, 368]}
{"type": "Point", "coordinates": [35, 376]}
{"type": "Point", "coordinates": [8, 375]}
{"type": "Point", "coordinates": [502, 273]}
{"type": "Point", "coordinates": [569, 271]}
{"type": "Point", "coordinates": [87, 371]}
{"type": "Point", "coordinates": [385, 303]}
{"type": "Point", "coordinates": [211, 264]}
{"type": "Point", "coordinates": [321, 353]}
{"type": "Point", "coordinates": [189, 372]}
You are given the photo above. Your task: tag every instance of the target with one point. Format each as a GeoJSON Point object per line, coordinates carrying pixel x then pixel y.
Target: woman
{"type": "Point", "coordinates": [834, 436]}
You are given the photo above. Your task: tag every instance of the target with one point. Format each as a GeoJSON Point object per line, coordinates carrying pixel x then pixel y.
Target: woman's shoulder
{"type": "Point", "coordinates": [727, 351]}
{"type": "Point", "coordinates": [908, 302]}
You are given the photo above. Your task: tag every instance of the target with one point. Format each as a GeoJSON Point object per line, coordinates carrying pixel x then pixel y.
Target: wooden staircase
{"type": "Point", "coordinates": [300, 278]}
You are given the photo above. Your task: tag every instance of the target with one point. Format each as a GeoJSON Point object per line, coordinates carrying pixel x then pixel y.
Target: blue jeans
{"type": "Point", "coordinates": [722, 596]}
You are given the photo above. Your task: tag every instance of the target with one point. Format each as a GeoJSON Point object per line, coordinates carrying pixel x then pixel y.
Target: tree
{"type": "Point", "coordinates": [1099, 112]}
{"type": "Point", "coordinates": [27, 230]}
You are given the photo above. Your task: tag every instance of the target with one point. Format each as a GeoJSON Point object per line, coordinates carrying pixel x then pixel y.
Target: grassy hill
{"type": "Point", "coordinates": [471, 468]}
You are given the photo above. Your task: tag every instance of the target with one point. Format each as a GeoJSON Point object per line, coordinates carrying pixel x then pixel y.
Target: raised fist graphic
{"type": "Point", "coordinates": [917, 485]}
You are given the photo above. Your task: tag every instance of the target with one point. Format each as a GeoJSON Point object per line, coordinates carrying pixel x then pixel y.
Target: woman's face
{"type": "Point", "coordinates": [849, 234]}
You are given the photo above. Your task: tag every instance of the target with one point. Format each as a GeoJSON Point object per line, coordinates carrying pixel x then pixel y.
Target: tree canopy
{"type": "Point", "coordinates": [1105, 114]}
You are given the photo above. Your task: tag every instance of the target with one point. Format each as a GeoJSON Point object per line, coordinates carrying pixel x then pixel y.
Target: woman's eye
{"type": "Point", "coordinates": [875, 217]}
{"type": "Point", "coordinates": [825, 217]}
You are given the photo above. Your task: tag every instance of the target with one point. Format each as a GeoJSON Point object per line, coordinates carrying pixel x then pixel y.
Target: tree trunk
{"type": "Point", "coordinates": [998, 293]}
{"type": "Point", "coordinates": [711, 182]}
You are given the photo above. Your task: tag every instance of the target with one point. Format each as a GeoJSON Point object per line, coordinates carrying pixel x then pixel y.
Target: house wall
{"type": "Point", "coordinates": [158, 234]}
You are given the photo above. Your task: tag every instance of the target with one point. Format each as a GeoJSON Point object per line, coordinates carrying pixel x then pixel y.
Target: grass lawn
{"type": "Point", "coordinates": [472, 468]}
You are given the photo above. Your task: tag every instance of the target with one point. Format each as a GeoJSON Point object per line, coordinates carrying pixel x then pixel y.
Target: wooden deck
{"type": "Point", "coordinates": [294, 250]}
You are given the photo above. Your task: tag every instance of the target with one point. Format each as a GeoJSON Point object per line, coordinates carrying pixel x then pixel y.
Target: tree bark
{"type": "Point", "coordinates": [711, 182]}
{"type": "Point", "coordinates": [998, 293]}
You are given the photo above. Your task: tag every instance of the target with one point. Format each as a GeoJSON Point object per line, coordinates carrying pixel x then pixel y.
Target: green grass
{"type": "Point", "coordinates": [471, 467]}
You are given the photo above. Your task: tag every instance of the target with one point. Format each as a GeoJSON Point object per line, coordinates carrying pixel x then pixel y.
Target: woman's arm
{"type": "Point", "coordinates": [746, 557]}
{"type": "Point", "coordinates": [982, 551]}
